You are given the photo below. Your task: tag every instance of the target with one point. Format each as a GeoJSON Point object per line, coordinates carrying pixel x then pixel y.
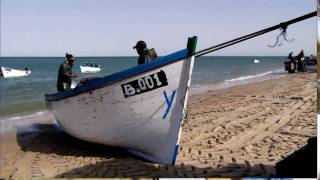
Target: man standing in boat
{"type": "Point", "coordinates": [65, 74]}
{"type": "Point", "coordinates": [145, 54]}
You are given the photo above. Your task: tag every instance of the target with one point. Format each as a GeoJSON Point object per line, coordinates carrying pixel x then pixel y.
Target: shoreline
{"type": "Point", "coordinates": [239, 131]}
{"type": "Point", "coordinates": [238, 81]}
{"type": "Point", "coordinates": [195, 89]}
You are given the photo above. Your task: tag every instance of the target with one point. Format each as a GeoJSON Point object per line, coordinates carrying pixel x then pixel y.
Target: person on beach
{"type": "Point", "coordinates": [145, 54]}
{"type": "Point", "coordinates": [290, 65]}
{"type": "Point", "coordinates": [300, 64]}
{"type": "Point", "coordinates": [65, 74]}
{"type": "Point", "coordinates": [290, 57]}
{"type": "Point", "coordinates": [300, 55]}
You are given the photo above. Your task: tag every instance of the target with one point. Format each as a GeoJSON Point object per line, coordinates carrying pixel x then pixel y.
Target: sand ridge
{"type": "Point", "coordinates": [236, 132]}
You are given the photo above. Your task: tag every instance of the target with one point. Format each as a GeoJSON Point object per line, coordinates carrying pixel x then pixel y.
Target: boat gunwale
{"type": "Point", "coordinates": [98, 83]}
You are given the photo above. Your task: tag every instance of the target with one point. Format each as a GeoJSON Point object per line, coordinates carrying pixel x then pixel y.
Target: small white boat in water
{"type": "Point", "coordinates": [90, 69]}
{"type": "Point", "coordinates": [256, 61]}
{"type": "Point", "coordinates": [9, 72]}
{"type": "Point", "coordinates": [140, 109]}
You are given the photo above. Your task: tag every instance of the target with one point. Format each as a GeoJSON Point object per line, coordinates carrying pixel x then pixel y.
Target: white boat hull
{"type": "Point", "coordinates": [9, 73]}
{"type": "Point", "coordinates": [87, 69]}
{"type": "Point", "coordinates": [144, 119]}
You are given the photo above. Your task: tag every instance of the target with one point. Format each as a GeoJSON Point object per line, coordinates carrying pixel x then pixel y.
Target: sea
{"type": "Point", "coordinates": [25, 95]}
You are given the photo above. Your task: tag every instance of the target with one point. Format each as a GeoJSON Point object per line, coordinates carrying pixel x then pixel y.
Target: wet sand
{"type": "Point", "coordinates": [236, 132]}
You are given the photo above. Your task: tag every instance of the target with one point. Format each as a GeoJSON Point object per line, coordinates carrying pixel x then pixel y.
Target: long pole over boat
{"type": "Point", "coordinates": [282, 26]}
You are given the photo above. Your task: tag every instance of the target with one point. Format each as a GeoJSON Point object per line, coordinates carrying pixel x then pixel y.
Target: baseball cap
{"type": "Point", "coordinates": [140, 44]}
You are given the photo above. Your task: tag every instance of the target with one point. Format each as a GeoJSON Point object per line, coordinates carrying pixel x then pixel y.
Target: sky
{"type": "Point", "coordinates": [112, 27]}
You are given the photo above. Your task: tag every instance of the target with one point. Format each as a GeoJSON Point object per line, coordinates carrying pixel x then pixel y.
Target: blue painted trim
{"type": "Point", "coordinates": [110, 79]}
{"type": "Point", "coordinates": [175, 153]}
{"type": "Point", "coordinates": [169, 102]}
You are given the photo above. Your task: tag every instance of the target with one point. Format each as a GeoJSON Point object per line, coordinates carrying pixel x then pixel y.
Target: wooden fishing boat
{"type": "Point", "coordinates": [10, 73]}
{"type": "Point", "coordinates": [140, 109]}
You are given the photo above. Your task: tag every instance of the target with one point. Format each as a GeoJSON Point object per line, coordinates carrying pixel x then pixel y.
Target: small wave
{"type": "Point", "coordinates": [24, 116]}
{"type": "Point", "coordinates": [27, 123]}
{"type": "Point", "coordinates": [242, 78]}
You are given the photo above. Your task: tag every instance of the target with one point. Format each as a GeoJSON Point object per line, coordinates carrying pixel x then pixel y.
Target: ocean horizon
{"type": "Point", "coordinates": [25, 95]}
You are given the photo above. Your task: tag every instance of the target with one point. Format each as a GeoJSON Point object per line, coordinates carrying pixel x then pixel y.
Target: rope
{"type": "Point", "coordinates": [282, 25]}
{"type": "Point", "coordinates": [283, 34]}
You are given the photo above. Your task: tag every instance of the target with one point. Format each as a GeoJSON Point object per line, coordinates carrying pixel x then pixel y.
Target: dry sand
{"type": "Point", "coordinates": [236, 132]}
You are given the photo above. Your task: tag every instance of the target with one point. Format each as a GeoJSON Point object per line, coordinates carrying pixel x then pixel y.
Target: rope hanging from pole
{"type": "Point", "coordinates": [282, 34]}
{"type": "Point", "coordinates": [282, 26]}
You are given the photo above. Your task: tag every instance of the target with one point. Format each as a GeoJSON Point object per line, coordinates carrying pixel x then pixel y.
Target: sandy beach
{"type": "Point", "coordinates": [236, 132]}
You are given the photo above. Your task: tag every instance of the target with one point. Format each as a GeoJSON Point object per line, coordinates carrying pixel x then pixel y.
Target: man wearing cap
{"type": "Point", "coordinates": [145, 54]}
{"type": "Point", "coordinates": [65, 74]}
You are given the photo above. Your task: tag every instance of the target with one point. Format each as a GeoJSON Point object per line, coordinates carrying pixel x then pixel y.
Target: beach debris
{"type": "Point", "coordinates": [296, 98]}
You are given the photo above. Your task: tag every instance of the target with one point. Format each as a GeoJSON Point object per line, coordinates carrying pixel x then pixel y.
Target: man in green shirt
{"type": "Point", "coordinates": [145, 54]}
{"type": "Point", "coordinates": [65, 74]}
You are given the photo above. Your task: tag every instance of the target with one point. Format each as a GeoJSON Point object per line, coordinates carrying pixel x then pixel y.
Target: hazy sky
{"type": "Point", "coordinates": [112, 27]}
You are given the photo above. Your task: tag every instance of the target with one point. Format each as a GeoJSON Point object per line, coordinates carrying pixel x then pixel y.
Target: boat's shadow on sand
{"type": "Point", "coordinates": [85, 159]}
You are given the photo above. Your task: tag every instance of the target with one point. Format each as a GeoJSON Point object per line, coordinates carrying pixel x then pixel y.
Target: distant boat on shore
{"type": "Point", "coordinates": [255, 61]}
{"type": "Point", "coordinates": [10, 73]}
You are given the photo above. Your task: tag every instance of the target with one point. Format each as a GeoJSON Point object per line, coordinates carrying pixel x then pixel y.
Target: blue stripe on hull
{"type": "Point", "coordinates": [110, 79]}
{"type": "Point", "coordinates": [175, 153]}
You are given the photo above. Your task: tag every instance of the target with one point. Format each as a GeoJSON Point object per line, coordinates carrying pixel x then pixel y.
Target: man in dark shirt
{"type": "Point", "coordinates": [65, 74]}
{"type": "Point", "coordinates": [301, 66]}
{"type": "Point", "coordinates": [290, 57]}
{"type": "Point", "coordinates": [145, 54]}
